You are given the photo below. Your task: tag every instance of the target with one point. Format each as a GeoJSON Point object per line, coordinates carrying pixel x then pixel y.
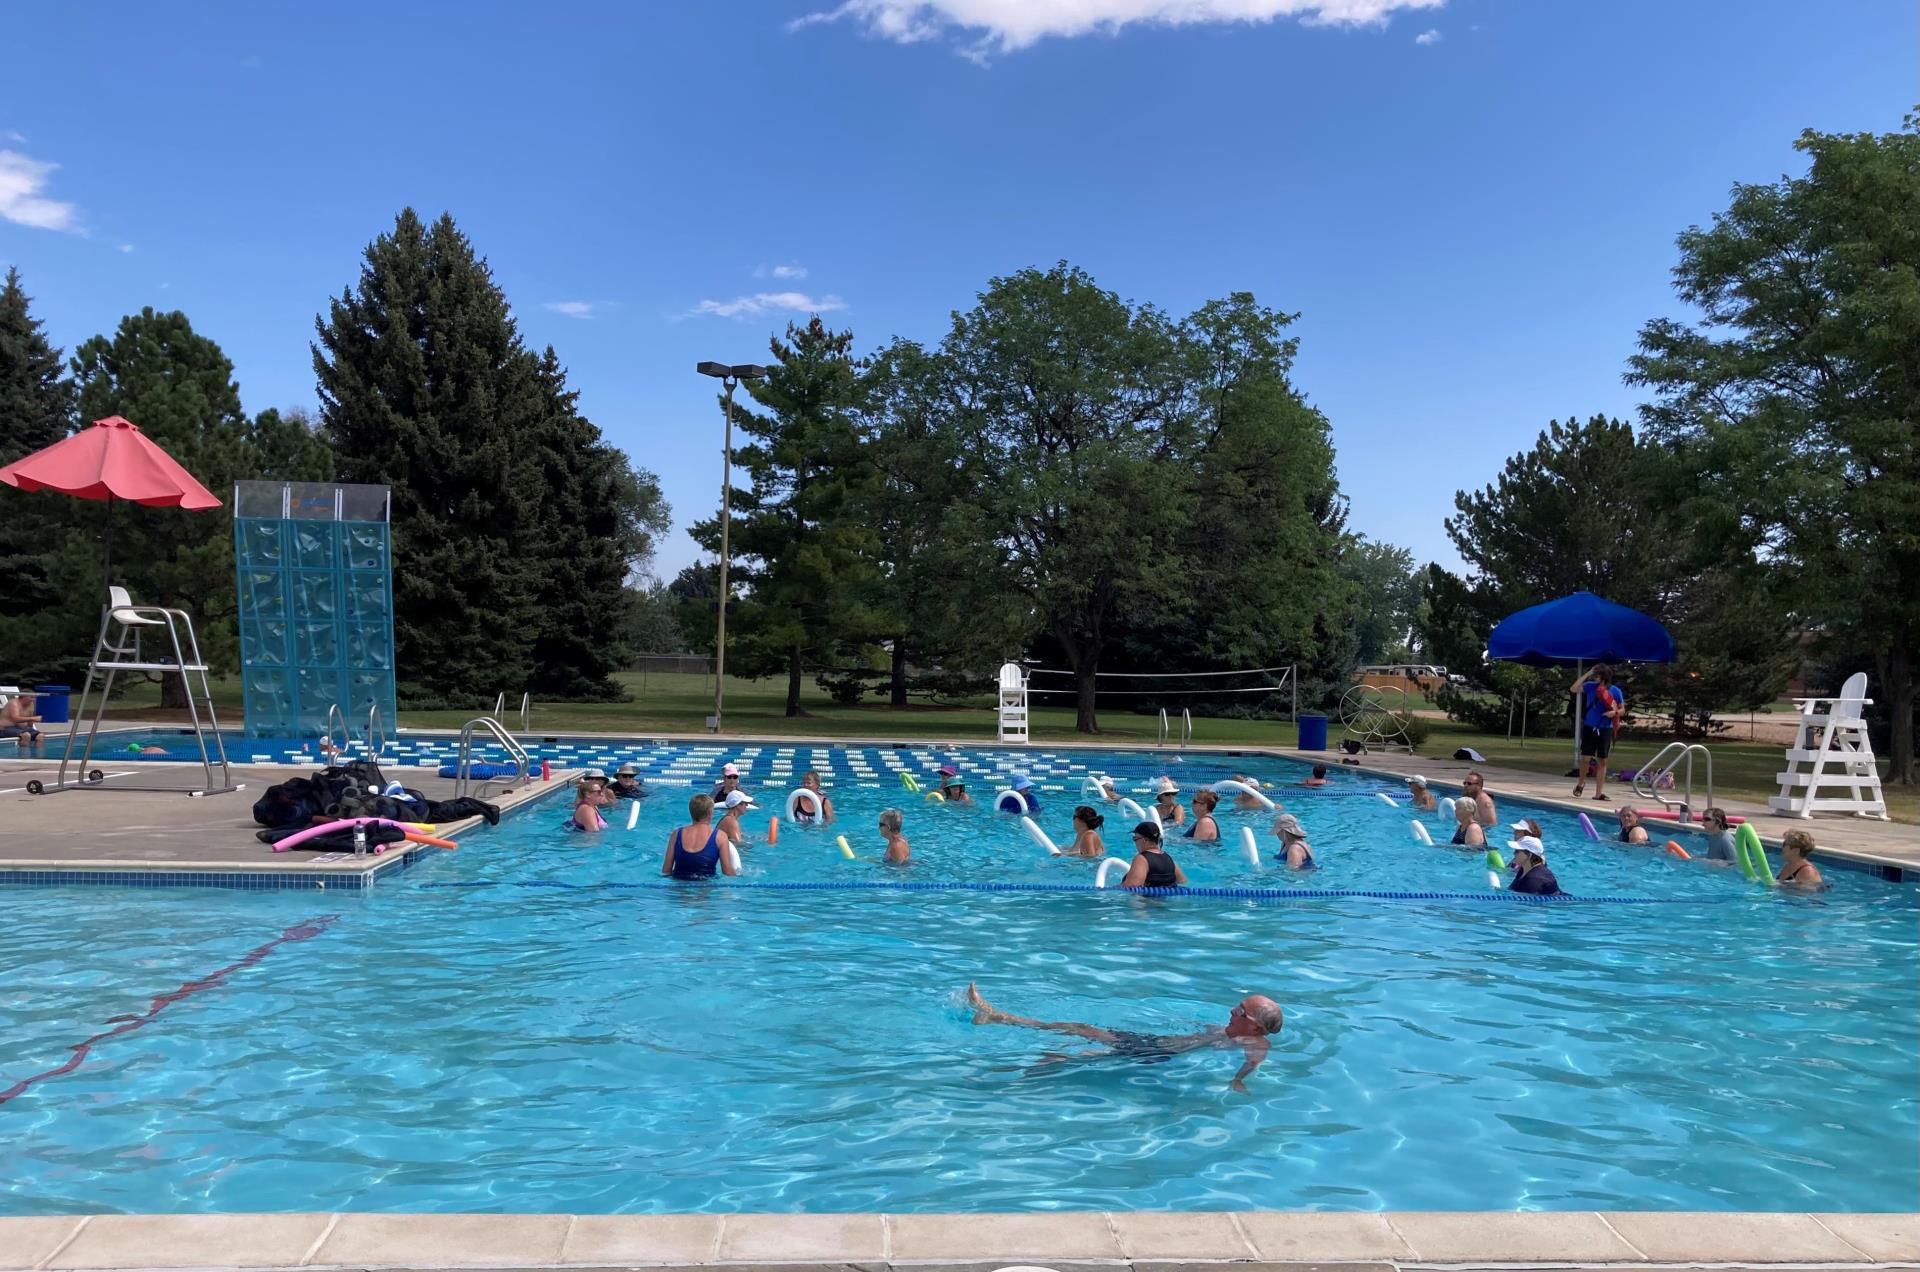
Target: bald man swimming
{"type": "Point", "coordinates": [1249, 1024]}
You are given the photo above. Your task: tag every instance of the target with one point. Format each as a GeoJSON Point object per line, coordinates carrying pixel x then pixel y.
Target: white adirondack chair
{"type": "Point", "coordinates": [1013, 703]}
{"type": "Point", "coordinates": [1830, 766]}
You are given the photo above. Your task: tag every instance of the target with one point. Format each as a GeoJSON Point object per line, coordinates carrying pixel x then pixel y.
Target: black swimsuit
{"type": "Point", "coordinates": [1160, 871]}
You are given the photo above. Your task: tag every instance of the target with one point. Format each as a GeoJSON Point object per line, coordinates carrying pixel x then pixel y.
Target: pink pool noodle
{"type": "Point", "coordinates": [312, 832]}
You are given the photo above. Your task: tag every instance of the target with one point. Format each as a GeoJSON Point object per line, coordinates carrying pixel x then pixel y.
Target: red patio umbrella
{"type": "Point", "coordinates": [112, 459]}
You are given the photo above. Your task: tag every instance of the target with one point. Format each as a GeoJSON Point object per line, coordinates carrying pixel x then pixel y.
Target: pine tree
{"type": "Point", "coordinates": [599, 521]}
{"type": "Point", "coordinates": [425, 386]}
{"type": "Point", "coordinates": [36, 410]}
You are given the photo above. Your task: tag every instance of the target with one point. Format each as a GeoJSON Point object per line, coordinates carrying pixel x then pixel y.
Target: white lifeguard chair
{"type": "Point", "coordinates": [1013, 703]}
{"type": "Point", "coordinates": [1831, 754]}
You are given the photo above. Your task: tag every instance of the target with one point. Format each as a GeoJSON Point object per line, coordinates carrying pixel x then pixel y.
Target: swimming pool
{"type": "Point", "coordinates": [539, 1023]}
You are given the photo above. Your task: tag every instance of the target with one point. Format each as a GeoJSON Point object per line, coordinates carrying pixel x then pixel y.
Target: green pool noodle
{"type": "Point", "coordinates": [1753, 854]}
{"type": "Point", "coordinates": [1493, 860]}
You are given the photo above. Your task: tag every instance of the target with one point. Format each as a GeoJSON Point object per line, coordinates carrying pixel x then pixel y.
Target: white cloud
{"type": "Point", "coordinates": [791, 271]}
{"type": "Point", "coordinates": [12, 135]}
{"type": "Point", "coordinates": [574, 308]}
{"type": "Point", "coordinates": [1004, 26]}
{"type": "Point", "coordinates": [769, 302]}
{"type": "Point", "coordinates": [21, 181]}
{"type": "Point", "coordinates": [1430, 36]}
{"type": "Point", "coordinates": [126, 247]}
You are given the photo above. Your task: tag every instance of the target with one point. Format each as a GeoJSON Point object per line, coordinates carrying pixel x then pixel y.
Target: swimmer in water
{"type": "Point", "coordinates": [1086, 834]}
{"type": "Point", "coordinates": [1797, 869]}
{"type": "Point", "coordinates": [1166, 802]}
{"type": "Point", "coordinates": [1293, 841]}
{"type": "Point", "coordinates": [803, 809]}
{"type": "Point", "coordinates": [1631, 831]}
{"type": "Point", "coordinates": [1319, 777]}
{"type": "Point", "coordinates": [732, 806]}
{"type": "Point", "coordinates": [1251, 1022]}
{"type": "Point", "coordinates": [1205, 830]}
{"type": "Point", "coordinates": [898, 850]}
{"type": "Point", "coordinates": [952, 789]}
{"type": "Point", "coordinates": [1105, 784]}
{"type": "Point", "coordinates": [1466, 830]}
{"type": "Point", "coordinates": [1421, 797]}
{"type": "Point", "coordinates": [1152, 867]}
{"type": "Point", "coordinates": [1247, 801]}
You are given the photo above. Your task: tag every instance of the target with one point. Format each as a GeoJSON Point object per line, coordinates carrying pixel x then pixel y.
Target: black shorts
{"type": "Point", "coordinates": [1596, 742]}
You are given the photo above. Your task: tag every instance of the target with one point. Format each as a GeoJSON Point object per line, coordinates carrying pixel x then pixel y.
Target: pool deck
{"type": "Point", "coordinates": [1161, 1242]}
{"type": "Point", "coordinates": [108, 836]}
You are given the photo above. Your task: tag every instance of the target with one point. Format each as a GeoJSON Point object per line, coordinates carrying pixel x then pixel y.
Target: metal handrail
{"type": "Point", "coordinates": [1163, 727]}
{"type": "Point", "coordinates": [1186, 726]}
{"type": "Point", "coordinates": [526, 711]}
{"type": "Point", "coordinates": [463, 767]}
{"type": "Point", "coordinates": [1647, 778]}
{"type": "Point", "coordinates": [500, 704]}
{"type": "Point", "coordinates": [376, 738]}
{"type": "Point", "coordinates": [343, 735]}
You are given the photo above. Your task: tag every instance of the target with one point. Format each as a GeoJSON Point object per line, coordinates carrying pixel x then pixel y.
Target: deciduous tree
{"type": "Point", "coordinates": [1795, 399]}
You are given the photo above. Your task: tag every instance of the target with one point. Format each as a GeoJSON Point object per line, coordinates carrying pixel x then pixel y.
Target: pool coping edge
{"type": "Point", "coordinates": [1182, 1239]}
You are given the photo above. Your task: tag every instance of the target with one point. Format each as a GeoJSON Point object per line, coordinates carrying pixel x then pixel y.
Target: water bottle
{"type": "Point", "coordinates": [360, 840]}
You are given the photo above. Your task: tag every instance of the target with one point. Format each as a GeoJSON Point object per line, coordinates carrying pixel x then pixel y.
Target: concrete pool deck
{"type": "Point", "coordinates": [1163, 1242]}
{"type": "Point", "coordinates": [106, 836]}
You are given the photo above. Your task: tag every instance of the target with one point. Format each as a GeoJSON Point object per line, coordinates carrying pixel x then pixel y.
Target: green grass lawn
{"type": "Point", "coordinates": [671, 703]}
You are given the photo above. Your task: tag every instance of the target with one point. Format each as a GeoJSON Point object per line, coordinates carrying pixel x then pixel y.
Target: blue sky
{"type": "Point", "coordinates": [1472, 204]}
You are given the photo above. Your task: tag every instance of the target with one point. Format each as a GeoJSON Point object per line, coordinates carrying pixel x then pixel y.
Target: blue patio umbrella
{"type": "Point", "coordinates": [1579, 629]}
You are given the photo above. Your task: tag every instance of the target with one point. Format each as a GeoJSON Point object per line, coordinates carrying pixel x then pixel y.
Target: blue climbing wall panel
{"type": "Point", "coordinates": [316, 605]}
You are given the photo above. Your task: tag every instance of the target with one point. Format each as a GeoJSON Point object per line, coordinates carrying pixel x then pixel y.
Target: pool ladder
{"type": "Point", "coordinates": [1186, 727]}
{"type": "Point", "coordinates": [526, 709]}
{"type": "Point", "coordinates": [1649, 777]}
{"type": "Point", "coordinates": [373, 741]}
{"type": "Point", "coordinates": [463, 766]}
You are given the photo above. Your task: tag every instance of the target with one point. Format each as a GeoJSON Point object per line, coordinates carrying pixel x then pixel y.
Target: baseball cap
{"type": "Point", "coordinates": [947, 770]}
{"type": "Point", "coordinates": [1416, 780]}
{"type": "Point", "coordinates": [1527, 843]}
{"type": "Point", "coordinates": [730, 770]}
{"type": "Point", "coordinates": [739, 799]}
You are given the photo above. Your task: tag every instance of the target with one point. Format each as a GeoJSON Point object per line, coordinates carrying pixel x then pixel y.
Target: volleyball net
{"type": "Point", "coordinates": [1252, 691]}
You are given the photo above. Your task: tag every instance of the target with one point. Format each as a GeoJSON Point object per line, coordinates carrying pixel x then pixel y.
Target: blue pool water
{"type": "Point", "coordinates": [538, 1022]}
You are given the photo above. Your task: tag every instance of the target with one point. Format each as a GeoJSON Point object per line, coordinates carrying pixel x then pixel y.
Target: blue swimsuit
{"type": "Point", "coordinates": [696, 865]}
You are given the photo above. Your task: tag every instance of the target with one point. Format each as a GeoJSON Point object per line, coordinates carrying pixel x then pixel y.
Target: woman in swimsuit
{"type": "Point", "coordinates": [1798, 871]}
{"type": "Point", "coordinates": [1152, 867]}
{"type": "Point", "coordinates": [1293, 842]}
{"type": "Point", "coordinates": [898, 850]}
{"type": "Point", "coordinates": [1205, 830]}
{"type": "Point", "coordinates": [1086, 834]}
{"type": "Point", "coordinates": [1166, 802]}
{"type": "Point", "coordinates": [1467, 832]}
{"type": "Point", "coordinates": [683, 861]}
{"type": "Point", "coordinates": [803, 809]}
{"type": "Point", "coordinates": [1631, 831]}
{"type": "Point", "coordinates": [586, 807]}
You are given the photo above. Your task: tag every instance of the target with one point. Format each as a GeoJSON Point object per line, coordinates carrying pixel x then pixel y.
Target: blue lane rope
{"type": "Point", "coordinates": [1257, 894]}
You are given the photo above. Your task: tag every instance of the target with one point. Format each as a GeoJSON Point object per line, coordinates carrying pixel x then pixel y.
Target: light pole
{"type": "Point", "coordinates": [728, 377]}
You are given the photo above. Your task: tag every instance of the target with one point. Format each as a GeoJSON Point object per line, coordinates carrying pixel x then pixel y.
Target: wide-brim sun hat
{"type": "Point", "coordinates": [947, 770]}
{"type": "Point", "coordinates": [626, 770]}
{"type": "Point", "coordinates": [1288, 824]}
{"type": "Point", "coordinates": [1166, 786]}
{"type": "Point", "coordinates": [1022, 782]}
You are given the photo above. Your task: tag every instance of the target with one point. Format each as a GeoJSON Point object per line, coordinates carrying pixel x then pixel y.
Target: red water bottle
{"type": "Point", "coordinates": [546, 771]}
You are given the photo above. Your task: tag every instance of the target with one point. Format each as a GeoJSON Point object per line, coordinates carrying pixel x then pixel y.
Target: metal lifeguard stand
{"type": "Point", "coordinates": [122, 645]}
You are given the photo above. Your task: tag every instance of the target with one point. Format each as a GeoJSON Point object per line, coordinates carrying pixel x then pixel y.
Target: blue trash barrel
{"type": "Point", "coordinates": [52, 707]}
{"type": "Point", "coordinates": [1313, 733]}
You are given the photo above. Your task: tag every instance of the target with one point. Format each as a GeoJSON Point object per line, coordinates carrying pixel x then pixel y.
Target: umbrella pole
{"type": "Point", "coordinates": [1579, 670]}
{"type": "Point", "coordinates": [107, 565]}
